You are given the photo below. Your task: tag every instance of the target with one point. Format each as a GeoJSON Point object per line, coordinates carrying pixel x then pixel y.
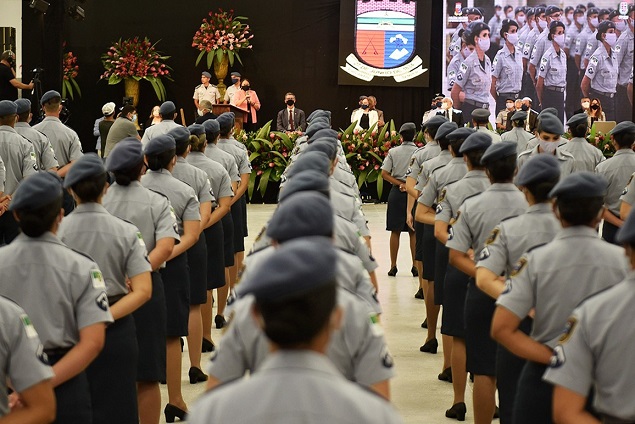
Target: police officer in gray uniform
{"type": "Point", "coordinates": [552, 283]}
{"type": "Point", "coordinates": [167, 112]}
{"type": "Point", "coordinates": [23, 363]}
{"type": "Point", "coordinates": [552, 72]}
{"type": "Point", "coordinates": [507, 67]}
{"type": "Point", "coordinates": [70, 312]}
{"type": "Point", "coordinates": [480, 121]}
{"type": "Point", "coordinates": [582, 361]}
{"type": "Point", "coordinates": [119, 250]}
{"type": "Point", "coordinates": [617, 170]}
{"type": "Point", "coordinates": [518, 134]}
{"type": "Point", "coordinates": [506, 244]}
{"type": "Point", "coordinates": [549, 132]}
{"type": "Point", "coordinates": [151, 213]}
{"type": "Point", "coordinates": [300, 287]}
{"type": "Point", "coordinates": [44, 154]}
{"type": "Point", "coordinates": [624, 52]}
{"type": "Point", "coordinates": [475, 221]}
{"type": "Point", "coordinates": [586, 156]}
{"type": "Point", "coordinates": [543, 42]}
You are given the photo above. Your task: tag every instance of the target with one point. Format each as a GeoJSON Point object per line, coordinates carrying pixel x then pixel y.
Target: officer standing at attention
{"type": "Point", "coordinates": [168, 113]}
{"type": "Point", "coordinates": [393, 170]}
{"type": "Point", "coordinates": [600, 78]}
{"type": "Point", "coordinates": [507, 67]}
{"type": "Point", "coordinates": [205, 91]}
{"type": "Point", "coordinates": [552, 14]}
{"type": "Point", "coordinates": [586, 156]}
{"type": "Point", "coordinates": [70, 312]}
{"type": "Point", "coordinates": [518, 134]}
{"type": "Point", "coordinates": [549, 132]}
{"type": "Point", "coordinates": [617, 170]}
{"type": "Point", "coordinates": [480, 121]}
{"type": "Point", "coordinates": [149, 211]}
{"type": "Point", "coordinates": [296, 305]}
{"type": "Point", "coordinates": [624, 52]}
{"type": "Point", "coordinates": [581, 361]}
{"type": "Point", "coordinates": [160, 155]}
{"type": "Point", "coordinates": [475, 220]}
{"type": "Point", "coordinates": [44, 154]}
{"type": "Point", "coordinates": [506, 244]}
{"type": "Point", "coordinates": [120, 252]}
{"type": "Point", "coordinates": [552, 73]}
{"type": "Point", "coordinates": [551, 280]}
{"type": "Point", "coordinates": [475, 74]}
{"type": "Point", "coordinates": [19, 161]}
{"type": "Point", "coordinates": [64, 140]}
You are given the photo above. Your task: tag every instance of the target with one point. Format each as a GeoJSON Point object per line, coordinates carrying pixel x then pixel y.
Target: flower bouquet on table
{"type": "Point", "coordinates": [602, 141]}
{"type": "Point", "coordinates": [69, 73]}
{"type": "Point", "coordinates": [137, 59]}
{"type": "Point", "coordinates": [222, 33]}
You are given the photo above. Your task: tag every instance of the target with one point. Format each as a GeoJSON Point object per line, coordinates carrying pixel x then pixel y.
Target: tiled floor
{"type": "Point", "coordinates": [416, 392]}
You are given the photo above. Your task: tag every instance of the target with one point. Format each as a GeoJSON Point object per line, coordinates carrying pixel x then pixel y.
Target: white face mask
{"type": "Point", "coordinates": [570, 17]}
{"type": "Point", "coordinates": [484, 43]}
{"type": "Point", "coordinates": [542, 23]}
{"type": "Point", "coordinates": [620, 25]}
{"type": "Point", "coordinates": [510, 15]}
{"type": "Point", "coordinates": [521, 19]}
{"type": "Point", "coordinates": [586, 105]}
{"type": "Point", "coordinates": [559, 39]}
{"type": "Point", "coordinates": [595, 22]}
{"type": "Point", "coordinates": [611, 38]}
{"type": "Point", "coordinates": [580, 20]}
{"type": "Point", "coordinates": [466, 52]}
{"type": "Point", "coordinates": [548, 146]}
{"type": "Point", "coordinates": [513, 38]}
{"type": "Point", "coordinates": [499, 13]}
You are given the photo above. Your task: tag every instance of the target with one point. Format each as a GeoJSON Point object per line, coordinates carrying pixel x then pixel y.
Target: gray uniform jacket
{"type": "Point", "coordinates": [64, 140]}
{"type": "Point", "coordinates": [565, 158]}
{"type": "Point", "coordinates": [475, 80]}
{"type": "Point", "coordinates": [603, 71]}
{"type": "Point", "coordinates": [496, 138]}
{"type": "Point", "coordinates": [195, 178]}
{"type": "Point", "coordinates": [624, 52]}
{"type": "Point", "coordinates": [519, 136]}
{"type": "Point", "coordinates": [441, 177]}
{"type": "Point", "coordinates": [44, 154]}
{"type": "Point", "coordinates": [617, 170]}
{"type": "Point", "coordinates": [553, 68]}
{"type": "Point", "coordinates": [116, 245]}
{"type": "Point", "coordinates": [225, 159]}
{"type": "Point", "coordinates": [586, 156]}
{"type": "Point", "coordinates": [398, 160]}
{"type": "Point", "coordinates": [18, 156]}
{"type": "Point", "coordinates": [350, 208]}
{"type": "Point", "coordinates": [73, 297]}
{"type": "Point", "coordinates": [218, 177]}
{"type": "Point", "coordinates": [161, 128]}
{"type": "Point", "coordinates": [426, 168]}
{"type": "Point", "coordinates": [421, 155]}
{"type": "Point", "coordinates": [21, 359]}
{"type": "Point", "coordinates": [507, 68]}
{"type": "Point", "coordinates": [596, 351]}
{"type": "Point", "coordinates": [357, 348]}
{"type": "Point", "coordinates": [238, 151]}
{"type": "Point", "coordinates": [556, 277]}
{"type": "Point", "coordinates": [453, 195]}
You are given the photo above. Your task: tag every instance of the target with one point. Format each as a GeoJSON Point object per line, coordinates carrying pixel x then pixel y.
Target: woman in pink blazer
{"type": "Point", "coordinates": [247, 99]}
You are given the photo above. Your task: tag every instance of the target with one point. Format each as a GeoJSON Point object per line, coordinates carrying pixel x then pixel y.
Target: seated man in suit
{"type": "Point", "coordinates": [532, 115]}
{"type": "Point", "coordinates": [451, 114]}
{"type": "Point", "coordinates": [290, 118]}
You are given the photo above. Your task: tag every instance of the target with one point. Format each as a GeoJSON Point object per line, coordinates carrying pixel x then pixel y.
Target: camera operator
{"type": "Point", "coordinates": [9, 84]}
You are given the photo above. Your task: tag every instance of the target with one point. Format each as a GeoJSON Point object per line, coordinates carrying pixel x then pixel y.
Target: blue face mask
{"type": "Point", "coordinates": [235, 80]}
{"type": "Point", "coordinates": [364, 107]}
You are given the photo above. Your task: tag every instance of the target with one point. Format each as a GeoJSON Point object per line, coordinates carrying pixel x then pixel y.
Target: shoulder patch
{"type": "Point", "coordinates": [627, 184]}
{"type": "Point", "coordinates": [463, 67]}
{"type": "Point", "coordinates": [493, 236]}
{"type": "Point", "coordinates": [386, 358]}
{"type": "Point", "coordinates": [102, 301]}
{"type": "Point", "coordinates": [558, 359]}
{"type": "Point", "coordinates": [569, 328]}
{"type": "Point", "coordinates": [97, 279]}
{"type": "Point", "coordinates": [439, 209]}
{"type": "Point", "coordinates": [519, 267]}
{"type": "Point", "coordinates": [28, 326]}
{"type": "Point", "coordinates": [442, 195]}
{"type": "Point", "coordinates": [140, 239]}
{"type": "Point", "coordinates": [484, 254]}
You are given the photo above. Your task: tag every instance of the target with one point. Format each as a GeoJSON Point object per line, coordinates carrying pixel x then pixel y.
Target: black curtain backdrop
{"type": "Point", "coordinates": [295, 49]}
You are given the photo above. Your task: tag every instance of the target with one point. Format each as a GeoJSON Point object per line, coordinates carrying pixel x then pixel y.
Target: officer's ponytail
{"type": "Point", "coordinates": [198, 142]}
{"type": "Point", "coordinates": [160, 161]}
{"type": "Point", "coordinates": [126, 176]}
{"type": "Point", "coordinates": [38, 221]}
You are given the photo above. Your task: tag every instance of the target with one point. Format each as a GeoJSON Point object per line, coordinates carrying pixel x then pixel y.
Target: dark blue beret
{"type": "Point", "coordinates": [480, 113]}
{"type": "Point", "coordinates": [125, 155]}
{"type": "Point", "coordinates": [445, 129]}
{"type": "Point", "coordinates": [550, 124]}
{"type": "Point", "coordinates": [323, 133]}
{"type": "Point", "coordinates": [160, 144]}
{"type": "Point", "coordinates": [550, 10]}
{"type": "Point", "coordinates": [180, 134]}
{"type": "Point", "coordinates": [302, 214]}
{"type": "Point", "coordinates": [313, 128]}
{"type": "Point", "coordinates": [519, 115]}
{"type": "Point", "coordinates": [623, 127]}
{"type": "Point", "coordinates": [89, 165]}
{"type": "Point", "coordinates": [309, 180]}
{"type": "Point", "coordinates": [604, 27]}
{"type": "Point", "coordinates": [235, 74]}
{"type": "Point", "coordinates": [579, 185]}
{"type": "Point", "coordinates": [196, 129]}
{"type": "Point", "coordinates": [37, 190]}
{"type": "Point", "coordinates": [24, 105]}
{"type": "Point", "coordinates": [626, 234]}
{"type": "Point", "coordinates": [226, 121]}
{"type": "Point", "coordinates": [478, 140]}
{"type": "Point", "coordinates": [295, 268]}
{"type": "Point", "coordinates": [548, 111]}
{"type": "Point", "coordinates": [49, 95]}
{"type": "Point", "coordinates": [206, 74]}
{"type": "Point", "coordinates": [498, 151]}
{"type": "Point", "coordinates": [211, 127]}
{"type": "Point", "coordinates": [329, 149]}
{"type": "Point", "coordinates": [577, 119]}
{"type": "Point", "coordinates": [7, 107]}
{"type": "Point", "coordinates": [435, 122]}
{"type": "Point", "coordinates": [539, 168]}
{"type": "Point", "coordinates": [311, 160]}
{"type": "Point", "coordinates": [460, 133]}
{"type": "Point", "coordinates": [408, 126]}
{"type": "Point", "coordinates": [555, 24]}
{"type": "Point", "coordinates": [313, 114]}
{"type": "Point", "coordinates": [167, 108]}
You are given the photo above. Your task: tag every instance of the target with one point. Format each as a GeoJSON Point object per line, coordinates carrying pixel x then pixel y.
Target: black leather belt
{"type": "Point", "coordinates": [598, 93]}
{"type": "Point", "coordinates": [509, 95]}
{"type": "Point", "coordinates": [473, 103]}
{"type": "Point", "coordinates": [557, 89]}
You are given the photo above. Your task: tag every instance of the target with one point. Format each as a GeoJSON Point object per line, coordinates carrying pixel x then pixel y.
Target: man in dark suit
{"type": "Point", "coordinates": [451, 114]}
{"type": "Point", "coordinates": [532, 115]}
{"type": "Point", "coordinates": [290, 118]}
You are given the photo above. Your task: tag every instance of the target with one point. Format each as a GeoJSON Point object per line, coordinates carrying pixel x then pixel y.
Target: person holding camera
{"type": "Point", "coordinates": [9, 84]}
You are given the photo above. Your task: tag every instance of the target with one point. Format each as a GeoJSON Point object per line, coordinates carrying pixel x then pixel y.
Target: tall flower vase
{"type": "Point", "coordinates": [220, 70]}
{"type": "Point", "coordinates": [131, 88]}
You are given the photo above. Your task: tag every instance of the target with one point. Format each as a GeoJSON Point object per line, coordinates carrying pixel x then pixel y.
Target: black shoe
{"type": "Point", "coordinates": [207, 346]}
{"type": "Point", "coordinates": [419, 294]}
{"type": "Point", "coordinates": [457, 411]}
{"type": "Point", "coordinates": [392, 272]}
{"type": "Point", "coordinates": [182, 343]}
{"type": "Point", "coordinates": [430, 346]}
{"type": "Point", "coordinates": [415, 271]}
{"type": "Point", "coordinates": [172, 412]}
{"type": "Point", "coordinates": [196, 375]}
{"type": "Point", "coordinates": [220, 322]}
{"type": "Point", "coordinates": [424, 324]}
{"type": "Point", "coordinates": [446, 375]}
{"type": "Point", "coordinates": [472, 377]}
{"type": "Point", "coordinates": [496, 413]}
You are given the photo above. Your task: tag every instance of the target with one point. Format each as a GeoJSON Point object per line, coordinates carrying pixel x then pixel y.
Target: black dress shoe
{"type": "Point", "coordinates": [424, 324]}
{"type": "Point", "coordinates": [392, 272]}
{"type": "Point", "coordinates": [446, 375]}
{"type": "Point", "coordinates": [207, 346]}
{"type": "Point", "coordinates": [472, 377]}
{"type": "Point", "coordinates": [196, 375]}
{"type": "Point", "coordinates": [419, 294]}
{"type": "Point", "coordinates": [430, 346]}
{"type": "Point", "coordinates": [496, 413]}
{"type": "Point", "coordinates": [457, 411]}
{"type": "Point", "coordinates": [219, 320]}
{"type": "Point", "coordinates": [172, 412]}
{"type": "Point", "coordinates": [182, 343]}
{"type": "Point", "coordinates": [415, 271]}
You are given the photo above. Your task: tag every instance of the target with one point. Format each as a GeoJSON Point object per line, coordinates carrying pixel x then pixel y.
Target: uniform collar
{"type": "Point", "coordinates": [624, 152]}
{"type": "Point", "coordinates": [577, 231]}
{"type": "Point", "coordinates": [475, 173]}
{"type": "Point", "coordinates": [161, 171]}
{"type": "Point", "coordinates": [431, 143]}
{"type": "Point", "coordinates": [445, 153]}
{"type": "Point", "coordinates": [540, 208]}
{"type": "Point", "coordinates": [559, 155]}
{"type": "Point", "coordinates": [503, 187]}
{"type": "Point", "coordinates": [90, 207]}
{"type": "Point", "coordinates": [52, 118]}
{"type": "Point", "coordinates": [46, 237]}
{"type": "Point", "coordinates": [302, 359]}
{"type": "Point", "coordinates": [456, 160]}
{"type": "Point", "coordinates": [6, 128]}
{"type": "Point", "coordinates": [407, 142]}
{"type": "Point", "coordinates": [180, 159]}
{"type": "Point", "coordinates": [506, 50]}
{"type": "Point", "coordinates": [22, 125]}
{"type": "Point", "coordinates": [578, 139]}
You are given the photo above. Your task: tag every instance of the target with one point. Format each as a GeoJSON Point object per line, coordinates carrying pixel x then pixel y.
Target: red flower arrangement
{"type": "Point", "coordinates": [69, 73]}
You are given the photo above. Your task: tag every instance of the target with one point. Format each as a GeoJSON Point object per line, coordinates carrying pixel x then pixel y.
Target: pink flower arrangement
{"type": "Point", "coordinates": [222, 33]}
{"type": "Point", "coordinates": [70, 71]}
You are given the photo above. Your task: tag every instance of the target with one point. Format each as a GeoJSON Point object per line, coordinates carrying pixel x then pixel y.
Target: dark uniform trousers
{"type": "Point", "coordinates": [533, 397]}
{"type": "Point", "coordinates": [555, 99]}
{"type": "Point", "coordinates": [622, 109]}
{"type": "Point", "coordinates": [73, 397]}
{"type": "Point", "coordinates": [68, 203]}
{"type": "Point", "coordinates": [528, 88]}
{"type": "Point", "coordinates": [573, 87]}
{"type": "Point", "coordinates": [609, 231]}
{"type": "Point", "coordinates": [9, 228]}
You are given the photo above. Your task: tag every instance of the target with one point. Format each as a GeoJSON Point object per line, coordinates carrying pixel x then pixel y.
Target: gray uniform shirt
{"type": "Point", "coordinates": [565, 158]}
{"type": "Point", "coordinates": [453, 195]}
{"type": "Point", "coordinates": [21, 359]}
{"type": "Point", "coordinates": [586, 156]}
{"type": "Point", "coordinates": [149, 211]}
{"type": "Point", "coordinates": [553, 68]}
{"type": "Point", "coordinates": [398, 160]}
{"type": "Point", "coordinates": [185, 205]}
{"type": "Point", "coordinates": [218, 177]}
{"type": "Point", "coordinates": [426, 168]}
{"type": "Point", "coordinates": [530, 40]}
{"type": "Point", "coordinates": [441, 177]}
{"type": "Point", "coordinates": [195, 178]}
{"type": "Point", "coordinates": [596, 351]}
{"type": "Point", "coordinates": [556, 277]}
{"type": "Point", "coordinates": [18, 156]}
{"type": "Point", "coordinates": [350, 208]}
{"type": "Point", "coordinates": [519, 136]}
{"type": "Point", "coordinates": [603, 71]}
{"type": "Point", "coordinates": [225, 159]}
{"type": "Point", "coordinates": [239, 153]}
{"type": "Point", "coordinates": [73, 297]}
{"type": "Point", "coordinates": [515, 236]}
{"type": "Point", "coordinates": [161, 128]}
{"type": "Point", "coordinates": [628, 194]}
{"type": "Point", "coordinates": [581, 42]}
{"type": "Point", "coordinates": [624, 52]}
{"type": "Point", "coordinates": [116, 245]}
{"type": "Point", "coordinates": [507, 68]}
{"type": "Point", "coordinates": [541, 45]}
{"type": "Point", "coordinates": [478, 215]}
{"type": "Point", "coordinates": [64, 140]}
{"type": "Point", "coordinates": [617, 170]}
{"type": "Point", "coordinates": [357, 348]}
{"type": "Point", "coordinates": [453, 69]}
{"type": "Point", "coordinates": [44, 154]}
{"type": "Point", "coordinates": [422, 154]}
{"type": "Point", "coordinates": [475, 79]}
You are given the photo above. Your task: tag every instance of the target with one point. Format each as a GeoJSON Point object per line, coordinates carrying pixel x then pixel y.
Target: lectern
{"type": "Point", "coordinates": [239, 114]}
